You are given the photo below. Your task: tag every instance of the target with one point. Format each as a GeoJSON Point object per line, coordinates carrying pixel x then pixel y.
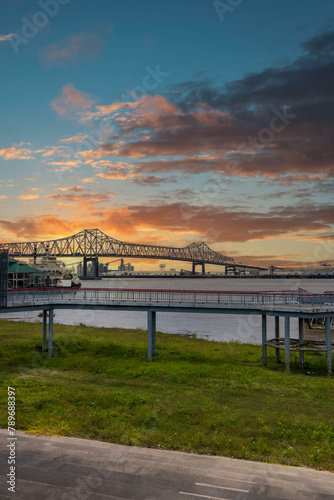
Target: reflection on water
{"type": "Point", "coordinates": [208, 326]}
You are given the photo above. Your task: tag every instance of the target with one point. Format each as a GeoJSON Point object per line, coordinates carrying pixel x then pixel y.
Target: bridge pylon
{"type": "Point", "coordinates": [95, 260]}
{"type": "Point", "coordinates": [198, 264]}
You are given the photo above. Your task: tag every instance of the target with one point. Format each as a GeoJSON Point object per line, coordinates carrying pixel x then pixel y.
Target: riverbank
{"type": "Point", "coordinates": [199, 396]}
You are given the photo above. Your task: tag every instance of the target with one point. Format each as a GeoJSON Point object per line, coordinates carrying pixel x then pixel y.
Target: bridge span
{"type": "Point", "coordinates": [93, 243]}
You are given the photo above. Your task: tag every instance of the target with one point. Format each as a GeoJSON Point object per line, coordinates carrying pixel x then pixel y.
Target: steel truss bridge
{"type": "Point", "coordinates": [93, 243]}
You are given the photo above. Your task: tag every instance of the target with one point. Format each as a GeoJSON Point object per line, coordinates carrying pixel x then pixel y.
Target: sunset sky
{"type": "Point", "coordinates": [170, 123]}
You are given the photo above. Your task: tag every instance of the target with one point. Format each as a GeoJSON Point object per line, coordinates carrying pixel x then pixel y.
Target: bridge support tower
{"type": "Point", "coordinates": [228, 269]}
{"type": "Point", "coordinates": [198, 264]}
{"type": "Point", "coordinates": [95, 260]}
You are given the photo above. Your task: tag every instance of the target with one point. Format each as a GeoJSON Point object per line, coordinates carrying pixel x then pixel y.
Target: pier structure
{"type": "Point", "coordinates": [277, 304]}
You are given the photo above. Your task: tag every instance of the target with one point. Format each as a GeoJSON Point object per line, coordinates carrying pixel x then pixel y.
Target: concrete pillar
{"type": "Point", "coordinates": [328, 346]}
{"type": "Point", "coordinates": [96, 268]}
{"type": "Point", "coordinates": [301, 341]}
{"type": "Point", "coordinates": [287, 343]}
{"type": "Point", "coordinates": [154, 331]}
{"type": "Point", "coordinates": [203, 268]}
{"type": "Point", "coordinates": [277, 351]}
{"type": "Point", "coordinates": [151, 334]}
{"type": "Point", "coordinates": [84, 268]}
{"type": "Point", "coordinates": [264, 339]}
{"type": "Point", "coordinates": [51, 332]}
{"type": "Point", "coordinates": [45, 319]}
{"type": "Point", "coordinates": [194, 268]}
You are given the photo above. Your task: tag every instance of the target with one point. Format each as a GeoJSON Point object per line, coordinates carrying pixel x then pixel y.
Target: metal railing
{"type": "Point", "coordinates": [186, 297]}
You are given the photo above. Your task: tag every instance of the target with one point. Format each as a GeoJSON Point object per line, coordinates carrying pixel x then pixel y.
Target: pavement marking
{"type": "Point", "coordinates": [221, 487]}
{"type": "Point", "coordinates": [231, 479]}
{"type": "Point", "coordinates": [202, 496]}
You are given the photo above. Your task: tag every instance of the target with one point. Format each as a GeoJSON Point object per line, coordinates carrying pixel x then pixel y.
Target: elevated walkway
{"type": "Point", "coordinates": [285, 304]}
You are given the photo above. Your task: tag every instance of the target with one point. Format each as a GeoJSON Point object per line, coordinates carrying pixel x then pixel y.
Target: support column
{"type": "Point", "coordinates": [264, 339]}
{"type": "Point", "coordinates": [45, 319]}
{"type": "Point", "coordinates": [84, 268]}
{"type": "Point", "coordinates": [151, 334]}
{"type": "Point", "coordinates": [194, 268]}
{"type": "Point", "coordinates": [203, 268]}
{"type": "Point", "coordinates": [154, 331]}
{"type": "Point", "coordinates": [51, 332]}
{"type": "Point", "coordinates": [301, 341]}
{"type": "Point", "coordinates": [287, 343]}
{"type": "Point", "coordinates": [96, 268]}
{"type": "Point", "coordinates": [328, 346]}
{"type": "Point", "coordinates": [277, 350]}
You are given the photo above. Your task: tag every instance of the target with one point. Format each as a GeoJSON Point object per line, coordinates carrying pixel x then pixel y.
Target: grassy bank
{"type": "Point", "coordinates": [198, 396]}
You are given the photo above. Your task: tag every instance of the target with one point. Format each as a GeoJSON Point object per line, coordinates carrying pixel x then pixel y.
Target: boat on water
{"type": "Point", "coordinates": [55, 271]}
{"type": "Point", "coordinates": [69, 280]}
{"type": "Point", "coordinates": [52, 268]}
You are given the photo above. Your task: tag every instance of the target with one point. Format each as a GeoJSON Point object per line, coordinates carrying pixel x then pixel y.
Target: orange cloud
{"type": "Point", "coordinates": [86, 198]}
{"type": "Point", "coordinates": [88, 180]}
{"type": "Point", "coordinates": [44, 227]}
{"type": "Point", "coordinates": [64, 165]}
{"type": "Point", "coordinates": [29, 196]}
{"type": "Point", "coordinates": [218, 224]}
{"type": "Point", "coordinates": [162, 128]}
{"type": "Point", "coordinates": [71, 101]}
{"type": "Point", "coordinates": [6, 38]}
{"type": "Point", "coordinates": [118, 219]}
{"type": "Point", "coordinates": [107, 110]}
{"type": "Point", "coordinates": [16, 153]}
{"type": "Point", "coordinates": [71, 188]}
{"type": "Point", "coordinates": [151, 180]}
{"type": "Point", "coordinates": [113, 175]}
{"type": "Point", "coordinates": [51, 150]}
{"type": "Point", "coordinates": [76, 138]}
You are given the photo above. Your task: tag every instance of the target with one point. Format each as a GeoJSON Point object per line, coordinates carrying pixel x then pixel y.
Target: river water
{"type": "Point", "coordinates": [219, 327]}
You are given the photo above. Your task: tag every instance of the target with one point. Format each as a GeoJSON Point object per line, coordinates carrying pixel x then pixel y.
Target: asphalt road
{"type": "Point", "coordinates": [61, 468]}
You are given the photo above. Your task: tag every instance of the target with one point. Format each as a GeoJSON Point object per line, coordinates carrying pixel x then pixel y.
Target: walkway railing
{"type": "Point", "coordinates": [195, 298]}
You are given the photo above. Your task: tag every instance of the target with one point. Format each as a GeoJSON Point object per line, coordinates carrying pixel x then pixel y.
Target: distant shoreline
{"type": "Point", "coordinates": [209, 276]}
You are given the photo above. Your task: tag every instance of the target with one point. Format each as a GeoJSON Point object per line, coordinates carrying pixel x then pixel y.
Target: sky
{"type": "Point", "coordinates": [168, 123]}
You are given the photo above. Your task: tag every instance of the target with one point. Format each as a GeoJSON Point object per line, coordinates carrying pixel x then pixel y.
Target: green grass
{"type": "Point", "coordinates": [197, 396]}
